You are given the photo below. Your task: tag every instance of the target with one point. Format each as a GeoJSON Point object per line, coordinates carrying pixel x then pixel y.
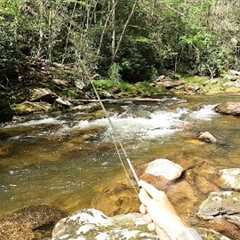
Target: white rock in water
{"type": "Point", "coordinates": [207, 137]}
{"type": "Point", "coordinates": [230, 178]}
{"type": "Point", "coordinates": [164, 168]}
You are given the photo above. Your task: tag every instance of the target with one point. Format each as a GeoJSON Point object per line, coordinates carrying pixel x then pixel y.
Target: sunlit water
{"type": "Point", "coordinates": [60, 160]}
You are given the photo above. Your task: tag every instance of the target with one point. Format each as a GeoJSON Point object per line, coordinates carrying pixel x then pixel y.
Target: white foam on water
{"type": "Point", "coordinates": [45, 121]}
{"type": "Point", "coordinates": [159, 123]}
{"type": "Point", "coordinates": [206, 113]}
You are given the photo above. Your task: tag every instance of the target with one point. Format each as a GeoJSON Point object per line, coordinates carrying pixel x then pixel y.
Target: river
{"type": "Point", "coordinates": [61, 159]}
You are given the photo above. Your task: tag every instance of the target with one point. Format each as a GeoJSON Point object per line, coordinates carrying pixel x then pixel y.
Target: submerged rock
{"type": "Point", "coordinates": [229, 108]}
{"type": "Point", "coordinates": [29, 223]}
{"type": "Point", "coordinates": [230, 178]}
{"type": "Point", "coordinates": [92, 224]}
{"type": "Point", "coordinates": [207, 137]}
{"type": "Point", "coordinates": [4, 151]}
{"type": "Point", "coordinates": [43, 94]}
{"type": "Point", "coordinates": [32, 107]}
{"type": "Point", "coordinates": [120, 198]}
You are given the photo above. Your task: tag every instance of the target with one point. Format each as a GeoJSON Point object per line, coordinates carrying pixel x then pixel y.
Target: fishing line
{"type": "Point", "coordinates": [117, 142]}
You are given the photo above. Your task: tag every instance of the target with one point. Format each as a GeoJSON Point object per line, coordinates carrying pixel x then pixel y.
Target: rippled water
{"type": "Point", "coordinates": [61, 159]}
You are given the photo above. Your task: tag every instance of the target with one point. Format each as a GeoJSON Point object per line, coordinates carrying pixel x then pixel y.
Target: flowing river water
{"type": "Point", "coordinates": [60, 159]}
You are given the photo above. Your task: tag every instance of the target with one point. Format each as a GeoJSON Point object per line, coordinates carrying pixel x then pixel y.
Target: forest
{"type": "Point", "coordinates": [121, 40]}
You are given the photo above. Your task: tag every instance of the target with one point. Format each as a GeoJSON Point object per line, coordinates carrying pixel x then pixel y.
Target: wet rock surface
{"type": "Point", "coordinates": [164, 168]}
{"type": "Point", "coordinates": [119, 198]}
{"type": "Point", "coordinates": [207, 137]}
{"type": "Point", "coordinates": [229, 108]}
{"type": "Point", "coordinates": [5, 151]}
{"type": "Point", "coordinates": [30, 223]}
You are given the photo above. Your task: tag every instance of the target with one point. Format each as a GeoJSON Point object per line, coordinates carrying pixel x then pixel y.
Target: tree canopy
{"type": "Point", "coordinates": [119, 39]}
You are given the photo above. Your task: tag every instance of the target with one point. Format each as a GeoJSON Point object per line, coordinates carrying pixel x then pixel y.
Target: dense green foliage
{"type": "Point", "coordinates": [120, 39]}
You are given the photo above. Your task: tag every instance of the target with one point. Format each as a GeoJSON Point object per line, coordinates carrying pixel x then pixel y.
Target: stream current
{"type": "Point", "coordinates": [60, 159]}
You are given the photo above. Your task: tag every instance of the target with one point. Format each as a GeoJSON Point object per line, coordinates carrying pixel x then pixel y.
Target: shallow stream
{"type": "Point", "coordinates": [61, 159]}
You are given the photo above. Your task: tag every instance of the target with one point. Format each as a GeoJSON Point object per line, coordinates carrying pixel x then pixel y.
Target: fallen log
{"type": "Point", "coordinates": [111, 100]}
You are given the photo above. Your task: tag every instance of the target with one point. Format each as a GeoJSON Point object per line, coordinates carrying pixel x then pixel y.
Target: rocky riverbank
{"type": "Point", "coordinates": [203, 193]}
{"type": "Point", "coordinates": [41, 88]}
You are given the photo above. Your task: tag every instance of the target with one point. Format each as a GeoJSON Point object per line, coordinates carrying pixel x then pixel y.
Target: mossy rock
{"type": "Point", "coordinates": [32, 107]}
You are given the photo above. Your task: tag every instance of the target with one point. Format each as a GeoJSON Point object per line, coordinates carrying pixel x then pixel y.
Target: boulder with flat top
{"type": "Point", "coordinates": [229, 108]}
{"type": "Point", "coordinates": [207, 137]}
